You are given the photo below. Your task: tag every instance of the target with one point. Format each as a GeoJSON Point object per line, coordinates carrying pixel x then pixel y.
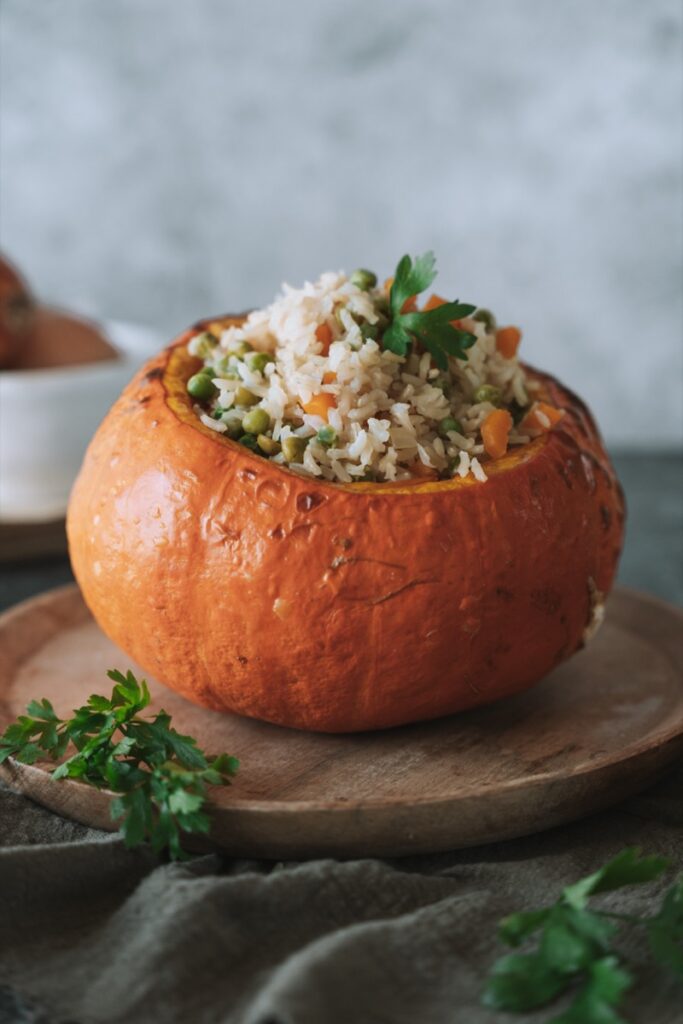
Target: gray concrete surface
{"type": "Point", "coordinates": [164, 159]}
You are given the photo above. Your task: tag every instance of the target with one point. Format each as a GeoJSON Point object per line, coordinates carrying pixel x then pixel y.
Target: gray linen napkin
{"type": "Point", "coordinates": [92, 933]}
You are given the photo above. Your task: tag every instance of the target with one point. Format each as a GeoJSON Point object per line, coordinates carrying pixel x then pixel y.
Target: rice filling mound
{"type": "Point", "coordinates": [308, 383]}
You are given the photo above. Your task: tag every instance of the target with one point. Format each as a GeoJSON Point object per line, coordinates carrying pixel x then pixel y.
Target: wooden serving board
{"type": "Point", "coordinates": [600, 727]}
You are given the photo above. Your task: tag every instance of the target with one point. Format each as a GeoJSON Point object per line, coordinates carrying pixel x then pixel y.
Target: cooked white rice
{"type": "Point", "coordinates": [387, 408]}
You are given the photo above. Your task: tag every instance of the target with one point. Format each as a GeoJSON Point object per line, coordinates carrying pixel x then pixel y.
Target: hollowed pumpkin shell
{"type": "Point", "coordinates": [248, 588]}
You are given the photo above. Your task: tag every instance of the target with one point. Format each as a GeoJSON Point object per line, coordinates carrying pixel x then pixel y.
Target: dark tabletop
{"type": "Point", "coordinates": [91, 932]}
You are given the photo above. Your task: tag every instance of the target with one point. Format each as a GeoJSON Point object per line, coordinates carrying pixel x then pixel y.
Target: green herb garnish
{"type": "Point", "coordinates": [432, 329]}
{"type": "Point", "coordinates": [574, 948]}
{"type": "Point", "coordinates": [160, 776]}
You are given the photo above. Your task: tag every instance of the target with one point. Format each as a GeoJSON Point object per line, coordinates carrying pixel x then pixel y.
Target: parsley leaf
{"type": "Point", "coordinates": [433, 328]}
{"type": "Point", "coordinates": [627, 868]}
{"type": "Point", "coordinates": [521, 982]}
{"type": "Point", "coordinates": [665, 931]}
{"type": "Point", "coordinates": [160, 777]}
{"type": "Point", "coordinates": [411, 279]}
{"type": "Point", "coordinates": [574, 946]}
{"type": "Point", "coordinates": [605, 984]}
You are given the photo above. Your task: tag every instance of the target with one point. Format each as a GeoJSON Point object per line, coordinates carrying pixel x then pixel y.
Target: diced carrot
{"type": "Point", "coordinates": [495, 431]}
{"type": "Point", "coordinates": [541, 416]}
{"type": "Point", "coordinates": [323, 333]}
{"type": "Point", "coordinates": [507, 341]}
{"type": "Point", "coordinates": [329, 377]}
{"type": "Point", "coordinates": [410, 305]}
{"type": "Point", "coordinates": [320, 405]}
{"type": "Point", "coordinates": [433, 302]}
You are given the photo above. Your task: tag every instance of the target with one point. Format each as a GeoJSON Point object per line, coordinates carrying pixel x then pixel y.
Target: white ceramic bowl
{"type": "Point", "coordinates": [47, 417]}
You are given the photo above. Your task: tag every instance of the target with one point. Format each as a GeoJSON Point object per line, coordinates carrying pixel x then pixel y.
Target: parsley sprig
{"type": "Point", "coordinates": [574, 947]}
{"type": "Point", "coordinates": [433, 329]}
{"type": "Point", "coordinates": [160, 776]}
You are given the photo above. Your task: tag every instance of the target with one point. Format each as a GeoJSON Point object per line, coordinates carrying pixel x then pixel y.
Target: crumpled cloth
{"type": "Point", "coordinates": [91, 932]}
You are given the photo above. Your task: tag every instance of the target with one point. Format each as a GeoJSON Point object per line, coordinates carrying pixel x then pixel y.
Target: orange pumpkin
{"type": "Point", "coordinates": [249, 588]}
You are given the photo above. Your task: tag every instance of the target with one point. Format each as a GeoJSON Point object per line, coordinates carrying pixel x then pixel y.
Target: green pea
{"type": "Point", "coordinates": [204, 344]}
{"type": "Point", "coordinates": [327, 435]}
{"type": "Point", "coordinates": [486, 317]}
{"type": "Point", "coordinates": [369, 331]}
{"type": "Point", "coordinates": [256, 421]}
{"type": "Point", "coordinates": [293, 448]}
{"type": "Point", "coordinates": [240, 348]}
{"type": "Point", "coordinates": [517, 411]}
{"type": "Point", "coordinates": [223, 368]}
{"type": "Point", "coordinates": [201, 387]}
{"type": "Point", "coordinates": [267, 444]}
{"type": "Point", "coordinates": [209, 370]}
{"type": "Point", "coordinates": [448, 424]}
{"type": "Point", "coordinates": [258, 361]}
{"type": "Point", "coordinates": [234, 430]}
{"type": "Point", "coordinates": [250, 441]}
{"type": "Point", "coordinates": [232, 421]}
{"type": "Point", "coordinates": [363, 279]}
{"type": "Point", "coordinates": [243, 396]}
{"type": "Point", "coordinates": [338, 317]}
{"type": "Point", "coordinates": [488, 393]}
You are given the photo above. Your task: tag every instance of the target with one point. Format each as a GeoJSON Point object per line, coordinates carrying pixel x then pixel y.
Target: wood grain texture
{"type": "Point", "coordinates": [600, 727]}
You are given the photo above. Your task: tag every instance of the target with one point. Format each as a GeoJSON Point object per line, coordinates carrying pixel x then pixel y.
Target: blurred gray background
{"type": "Point", "coordinates": [163, 160]}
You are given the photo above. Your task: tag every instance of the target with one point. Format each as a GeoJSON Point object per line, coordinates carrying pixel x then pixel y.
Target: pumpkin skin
{"type": "Point", "coordinates": [251, 589]}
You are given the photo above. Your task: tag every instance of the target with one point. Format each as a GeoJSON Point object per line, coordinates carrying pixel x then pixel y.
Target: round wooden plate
{"type": "Point", "coordinates": [600, 727]}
